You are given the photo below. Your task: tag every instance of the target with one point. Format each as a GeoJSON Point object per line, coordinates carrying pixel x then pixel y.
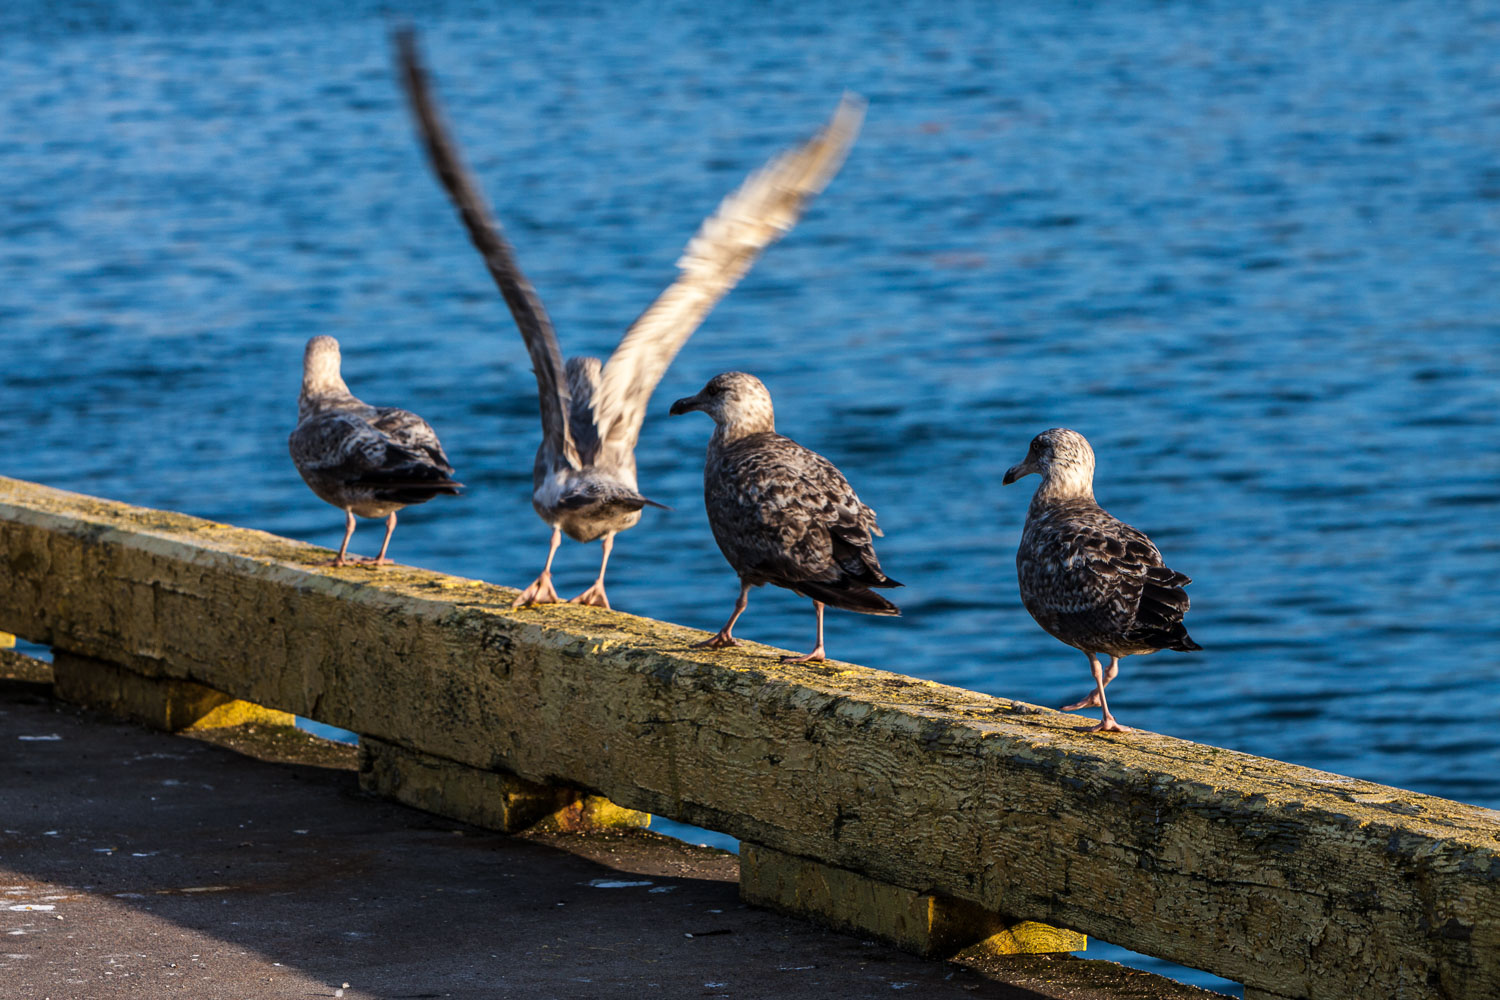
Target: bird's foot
{"type": "Point", "coordinates": [593, 596]}
{"type": "Point", "coordinates": [1092, 701]}
{"type": "Point", "coordinates": [541, 591]}
{"type": "Point", "coordinates": [339, 561]}
{"type": "Point", "coordinates": [718, 641]}
{"type": "Point", "coordinates": [1109, 725]}
{"type": "Point", "coordinates": [816, 656]}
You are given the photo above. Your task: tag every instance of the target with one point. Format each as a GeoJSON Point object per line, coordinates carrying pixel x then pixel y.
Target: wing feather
{"type": "Point", "coordinates": [762, 210]}
{"type": "Point", "coordinates": [499, 258]}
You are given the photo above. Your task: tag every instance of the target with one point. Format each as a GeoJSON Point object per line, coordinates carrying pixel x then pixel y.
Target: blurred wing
{"type": "Point", "coordinates": [531, 317]}
{"type": "Point", "coordinates": [757, 214]}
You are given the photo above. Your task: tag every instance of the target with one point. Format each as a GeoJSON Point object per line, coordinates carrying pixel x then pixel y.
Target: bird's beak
{"type": "Point", "coordinates": [1016, 472]}
{"type": "Point", "coordinates": [684, 405]}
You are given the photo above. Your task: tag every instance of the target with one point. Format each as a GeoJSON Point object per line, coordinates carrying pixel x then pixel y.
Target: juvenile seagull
{"type": "Point", "coordinates": [583, 478]}
{"type": "Point", "coordinates": [365, 460]}
{"type": "Point", "coordinates": [782, 513]}
{"type": "Point", "coordinates": [1088, 578]}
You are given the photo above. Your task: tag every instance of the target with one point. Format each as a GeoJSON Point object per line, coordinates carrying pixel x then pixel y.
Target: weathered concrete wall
{"type": "Point", "coordinates": [1296, 882]}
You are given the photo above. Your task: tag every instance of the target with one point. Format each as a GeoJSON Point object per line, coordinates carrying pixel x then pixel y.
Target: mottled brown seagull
{"type": "Point", "coordinates": [363, 459]}
{"type": "Point", "coordinates": [584, 478]}
{"type": "Point", "coordinates": [1088, 578]}
{"type": "Point", "coordinates": [782, 513]}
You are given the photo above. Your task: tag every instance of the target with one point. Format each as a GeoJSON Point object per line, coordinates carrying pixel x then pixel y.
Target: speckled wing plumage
{"type": "Point", "coordinates": [499, 258]}
{"type": "Point", "coordinates": [758, 213]}
{"type": "Point", "coordinates": [1098, 584]}
{"type": "Point", "coordinates": [392, 456]}
{"type": "Point", "coordinates": [783, 514]}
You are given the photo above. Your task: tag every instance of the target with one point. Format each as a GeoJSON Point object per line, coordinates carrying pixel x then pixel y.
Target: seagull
{"type": "Point", "coordinates": [1089, 579]}
{"type": "Point", "coordinates": [365, 460]}
{"type": "Point", "coordinates": [584, 481]}
{"type": "Point", "coordinates": [782, 513]}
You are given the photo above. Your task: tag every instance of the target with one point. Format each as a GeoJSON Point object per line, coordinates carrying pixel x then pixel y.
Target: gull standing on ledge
{"type": "Point", "coordinates": [1088, 578]}
{"type": "Point", "coordinates": [365, 460]}
{"type": "Point", "coordinates": [782, 513]}
{"type": "Point", "coordinates": [583, 478]}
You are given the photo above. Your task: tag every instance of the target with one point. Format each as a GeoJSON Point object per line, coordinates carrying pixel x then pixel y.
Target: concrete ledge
{"type": "Point", "coordinates": [490, 799]}
{"type": "Point", "coordinates": [923, 923]}
{"type": "Point", "coordinates": [194, 902]}
{"type": "Point", "coordinates": [159, 702]}
{"type": "Point", "coordinates": [1298, 883]}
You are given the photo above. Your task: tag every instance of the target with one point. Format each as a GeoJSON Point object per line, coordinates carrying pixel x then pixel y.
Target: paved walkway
{"type": "Point", "coordinates": [138, 864]}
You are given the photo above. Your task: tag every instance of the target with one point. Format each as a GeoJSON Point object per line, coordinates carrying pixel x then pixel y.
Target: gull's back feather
{"type": "Point", "coordinates": [750, 219]}
{"type": "Point", "coordinates": [499, 258]}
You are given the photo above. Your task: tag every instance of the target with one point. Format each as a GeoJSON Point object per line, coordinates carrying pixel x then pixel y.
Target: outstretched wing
{"type": "Point", "coordinates": [757, 214]}
{"type": "Point", "coordinates": [531, 317]}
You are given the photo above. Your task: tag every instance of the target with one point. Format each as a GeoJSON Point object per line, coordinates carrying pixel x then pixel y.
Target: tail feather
{"type": "Point", "coordinates": [1185, 644]}
{"type": "Point", "coordinates": [620, 499]}
{"type": "Point", "coordinates": [408, 482]}
{"type": "Point", "coordinates": [860, 599]}
{"type": "Point", "coordinates": [1158, 619]}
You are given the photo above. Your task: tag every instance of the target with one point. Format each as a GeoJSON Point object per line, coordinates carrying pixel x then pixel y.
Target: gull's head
{"type": "Point", "coordinates": [1062, 458]}
{"type": "Point", "coordinates": [320, 360]}
{"type": "Point", "coordinates": [738, 403]}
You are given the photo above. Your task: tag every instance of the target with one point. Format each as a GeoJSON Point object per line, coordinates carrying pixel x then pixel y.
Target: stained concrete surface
{"type": "Point", "coordinates": [139, 864]}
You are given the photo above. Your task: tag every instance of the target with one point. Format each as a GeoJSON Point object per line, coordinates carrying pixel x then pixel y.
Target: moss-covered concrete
{"type": "Point", "coordinates": [1296, 882]}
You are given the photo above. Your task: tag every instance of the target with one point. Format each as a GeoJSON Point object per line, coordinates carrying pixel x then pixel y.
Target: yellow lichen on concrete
{"type": "Point", "coordinates": [1296, 882]}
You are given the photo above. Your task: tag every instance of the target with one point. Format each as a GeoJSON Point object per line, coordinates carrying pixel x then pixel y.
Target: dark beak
{"type": "Point", "coordinates": [684, 405]}
{"type": "Point", "coordinates": [1016, 472]}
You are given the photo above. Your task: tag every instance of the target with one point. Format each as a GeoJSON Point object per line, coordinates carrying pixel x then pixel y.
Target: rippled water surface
{"type": "Point", "coordinates": [1249, 250]}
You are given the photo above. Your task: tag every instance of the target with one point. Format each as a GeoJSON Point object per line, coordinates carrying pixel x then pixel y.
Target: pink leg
{"type": "Point", "coordinates": [595, 594]}
{"type": "Point", "coordinates": [342, 559]}
{"type": "Point", "coordinates": [723, 638]}
{"type": "Point", "coordinates": [1092, 701]}
{"type": "Point", "coordinates": [1109, 725]}
{"type": "Point", "coordinates": [390, 529]}
{"type": "Point", "coordinates": [541, 590]}
{"type": "Point", "coordinates": [816, 656]}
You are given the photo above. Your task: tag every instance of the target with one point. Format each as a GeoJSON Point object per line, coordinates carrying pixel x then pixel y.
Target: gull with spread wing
{"type": "Point", "coordinates": [584, 476]}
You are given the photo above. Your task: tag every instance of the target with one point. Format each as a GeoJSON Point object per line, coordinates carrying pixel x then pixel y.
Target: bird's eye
{"type": "Point", "coordinates": [716, 390]}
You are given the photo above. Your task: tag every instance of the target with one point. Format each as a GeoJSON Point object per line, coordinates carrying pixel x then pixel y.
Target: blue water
{"type": "Point", "coordinates": [1250, 250]}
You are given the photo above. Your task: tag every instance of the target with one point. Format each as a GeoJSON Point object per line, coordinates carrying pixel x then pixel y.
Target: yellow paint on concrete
{"type": "Point", "coordinates": [924, 923]}
{"type": "Point", "coordinates": [7, 641]}
{"type": "Point", "coordinates": [1296, 882]}
{"type": "Point", "coordinates": [161, 703]}
{"type": "Point", "coordinates": [494, 800]}
{"type": "Point", "coordinates": [236, 712]}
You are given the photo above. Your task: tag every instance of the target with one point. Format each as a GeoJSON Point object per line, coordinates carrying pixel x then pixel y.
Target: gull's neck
{"type": "Point", "coordinates": [1065, 482]}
